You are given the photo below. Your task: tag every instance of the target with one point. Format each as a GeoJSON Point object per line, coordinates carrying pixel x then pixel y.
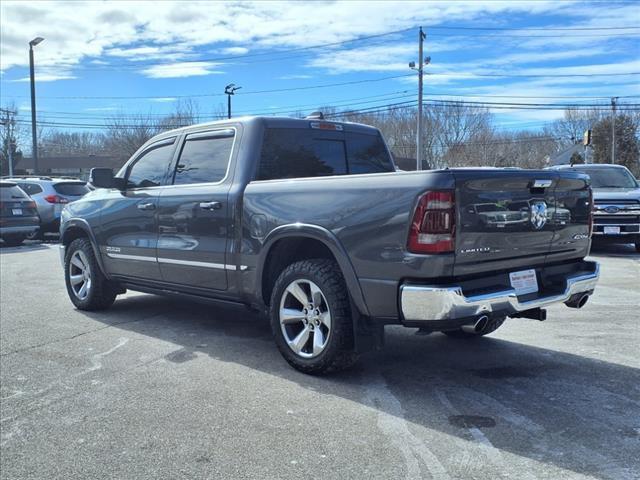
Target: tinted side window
{"type": "Point", "coordinates": [151, 168]}
{"type": "Point", "coordinates": [204, 158]}
{"type": "Point", "coordinates": [295, 153]}
{"type": "Point", "coordinates": [367, 154]}
{"type": "Point", "coordinates": [31, 188]}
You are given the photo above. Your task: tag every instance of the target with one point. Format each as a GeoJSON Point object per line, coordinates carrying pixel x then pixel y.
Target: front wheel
{"type": "Point", "coordinates": [311, 317]}
{"type": "Point", "coordinates": [87, 287]}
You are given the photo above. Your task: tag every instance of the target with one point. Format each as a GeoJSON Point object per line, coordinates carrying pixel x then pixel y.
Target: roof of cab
{"type": "Point", "coordinates": [268, 122]}
{"type": "Point", "coordinates": [577, 166]}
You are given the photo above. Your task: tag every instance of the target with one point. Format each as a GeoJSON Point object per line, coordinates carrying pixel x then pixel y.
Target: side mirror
{"type": "Point", "coordinates": [103, 178]}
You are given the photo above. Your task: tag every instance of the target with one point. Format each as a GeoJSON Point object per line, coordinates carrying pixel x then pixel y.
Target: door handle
{"type": "Point", "coordinates": [210, 205]}
{"type": "Point", "coordinates": [146, 206]}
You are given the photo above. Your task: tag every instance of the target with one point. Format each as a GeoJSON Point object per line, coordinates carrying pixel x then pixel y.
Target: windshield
{"type": "Point", "coordinates": [610, 177]}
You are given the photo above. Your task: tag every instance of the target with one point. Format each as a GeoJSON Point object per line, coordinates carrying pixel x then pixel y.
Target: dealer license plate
{"type": "Point", "coordinates": [611, 230]}
{"type": "Point", "coordinates": [16, 211]}
{"type": "Point", "coordinates": [524, 282]}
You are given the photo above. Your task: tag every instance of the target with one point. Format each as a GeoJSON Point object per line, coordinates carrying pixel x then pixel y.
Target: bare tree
{"type": "Point", "coordinates": [12, 136]}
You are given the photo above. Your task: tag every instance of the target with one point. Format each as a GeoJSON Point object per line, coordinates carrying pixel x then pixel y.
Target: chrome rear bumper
{"type": "Point", "coordinates": [424, 303]}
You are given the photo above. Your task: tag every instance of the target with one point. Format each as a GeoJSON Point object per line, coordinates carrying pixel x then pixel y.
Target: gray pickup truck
{"type": "Point", "coordinates": [310, 222]}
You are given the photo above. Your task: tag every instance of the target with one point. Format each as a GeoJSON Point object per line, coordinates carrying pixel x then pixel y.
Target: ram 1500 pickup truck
{"type": "Point", "coordinates": [616, 197]}
{"type": "Point", "coordinates": [310, 222]}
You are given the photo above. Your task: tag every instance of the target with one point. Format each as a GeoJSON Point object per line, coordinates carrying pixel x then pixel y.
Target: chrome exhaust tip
{"type": "Point", "coordinates": [577, 301]}
{"type": "Point", "coordinates": [478, 326]}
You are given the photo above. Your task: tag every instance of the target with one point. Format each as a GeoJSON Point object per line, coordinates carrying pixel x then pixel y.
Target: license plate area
{"type": "Point", "coordinates": [16, 211]}
{"type": "Point", "coordinates": [524, 281]}
{"type": "Point", "coordinates": [611, 230]}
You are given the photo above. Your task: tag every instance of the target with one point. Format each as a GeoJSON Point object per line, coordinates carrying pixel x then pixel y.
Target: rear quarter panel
{"type": "Point", "coordinates": [368, 215]}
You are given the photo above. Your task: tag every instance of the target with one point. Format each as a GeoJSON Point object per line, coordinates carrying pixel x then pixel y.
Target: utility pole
{"type": "Point", "coordinates": [613, 129]}
{"type": "Point", "coordinates": [422, 61]}
{"type": "Point", "coordinates": [230, 90]}
{"type": "Point", "coordinates": [421, 37]}
{"type": "Point", "coordinates": [34, 137]}
{"type": "Point", "coordinates": [6, 122]}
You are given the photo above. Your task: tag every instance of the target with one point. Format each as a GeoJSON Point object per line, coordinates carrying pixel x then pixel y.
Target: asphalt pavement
{"type": "Point", "coordinates": [164, 388]}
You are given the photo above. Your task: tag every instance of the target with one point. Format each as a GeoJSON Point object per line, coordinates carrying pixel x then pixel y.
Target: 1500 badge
{"type": "Point", "coordinates": [476, 250]}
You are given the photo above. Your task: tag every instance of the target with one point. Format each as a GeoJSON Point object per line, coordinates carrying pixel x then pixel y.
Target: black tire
{"type": "Point", "coordinates": [338, 351]}
{"type": "Point", "coordinates": [13, 240]}
{"type": "Point", "coordinates": [491, 326]}
{"type": "Point", "coordinates": [638, 247]}
{"type": "Point", "coordinates": [36, 235]}
{"type": "Point", "coordinates": [100, 293]}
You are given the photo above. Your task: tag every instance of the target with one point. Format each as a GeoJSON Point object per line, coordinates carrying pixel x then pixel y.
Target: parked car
{"type": "Point", "coordinates": [51, 194]}
{"type": "Point", "coordinates": [616, 194]}
{"type": "Point", "coordinates": [18, 214]}
{"type": "Point", "coordinates": [308, 221]}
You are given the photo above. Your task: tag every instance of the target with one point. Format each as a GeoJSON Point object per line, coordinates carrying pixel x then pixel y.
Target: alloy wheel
{"type": "Point", "coordinates": [305, 318]}
{"type": "Point", "coordinates": [79, 274]}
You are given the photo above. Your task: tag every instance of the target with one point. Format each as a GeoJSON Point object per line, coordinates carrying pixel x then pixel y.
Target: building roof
{"type": "Point", "coordinates": [68, 162]}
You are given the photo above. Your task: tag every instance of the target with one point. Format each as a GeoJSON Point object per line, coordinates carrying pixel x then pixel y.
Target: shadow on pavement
{"type": "Point", "coordinates": [600, 249]}
{"type": "Point", "coordinates": [557, 408]}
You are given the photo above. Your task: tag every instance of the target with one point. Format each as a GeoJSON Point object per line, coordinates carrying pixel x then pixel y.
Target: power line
{"type": "Point", "coordinates": [146, 97]}
{"type": "Point", "coordinates": [527, 75]}
{"type": "Point", "coordinates": [445, 27]}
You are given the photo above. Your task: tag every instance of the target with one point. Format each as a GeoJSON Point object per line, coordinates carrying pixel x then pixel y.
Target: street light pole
{"type": "Point", "coordinates": [230, 90]}
{"type": "Point", "coordinates": [34, 137]}
{"type": "Point", "coordinates": [613, 129]}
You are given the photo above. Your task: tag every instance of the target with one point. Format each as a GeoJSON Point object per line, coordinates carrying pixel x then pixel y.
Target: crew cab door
{"type": "Point", "coordinates": [194, 215]}
{"type": "Point", "coordinates": [128, 231]}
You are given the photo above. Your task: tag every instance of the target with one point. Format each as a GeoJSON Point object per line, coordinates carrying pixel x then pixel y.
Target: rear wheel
{"type": "Point", "coordinates": [13, 240]}
{"type": "Point", "coordinates": [311, 317]}
{"type": "Point", "coordinates": [490, 326]}
{"type": "Point", "coordinates": [87, 287]}
{"type": "Point", "coordinates": [36, 235]}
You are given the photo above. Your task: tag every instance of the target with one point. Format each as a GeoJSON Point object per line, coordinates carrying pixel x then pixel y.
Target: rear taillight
{"type": "Point", "coordinates": [434, 223]}
{"type": "Point", "coordinates": [31, 204]}
{"type": "Point", "coordinates": [56, 199]}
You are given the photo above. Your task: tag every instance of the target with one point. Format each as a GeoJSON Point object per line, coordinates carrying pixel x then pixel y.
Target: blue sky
{"type": "Point", "coordinates": [515, 51]}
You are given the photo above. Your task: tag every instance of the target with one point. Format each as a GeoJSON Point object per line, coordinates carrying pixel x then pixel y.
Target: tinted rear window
{"type": "Point", "coordinates": [31, 188]}
{"type": "Point", "coordinates": [11, 192]}
{"type": "Point", "coordinates": [295, 153]}
{"type": "Point", "coordinates": [71, 189]}
{"type": "Point", "coordinates": [367, 154]}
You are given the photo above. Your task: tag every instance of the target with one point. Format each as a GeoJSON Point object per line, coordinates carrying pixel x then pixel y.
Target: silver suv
{"type": "Point", "coordinates": [51, 194]}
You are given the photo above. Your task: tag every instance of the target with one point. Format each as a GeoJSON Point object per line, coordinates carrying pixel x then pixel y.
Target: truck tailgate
{"type": "Point", "coordinates": [509, 219]}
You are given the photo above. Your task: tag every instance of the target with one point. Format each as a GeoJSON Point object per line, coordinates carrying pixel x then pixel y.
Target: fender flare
{"type": "Point", "coordinates": [83, 225]}
{"type": "Point", "coordinates": [323, 235]}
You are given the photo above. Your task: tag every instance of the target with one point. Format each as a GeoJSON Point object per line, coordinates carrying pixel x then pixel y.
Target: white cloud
{"type": "Point", "coordinates": [181, 69]}
{"type": "Point", "coordinates": [235, 51]}
{"type": "Point", "coordinates": [295, 77]}
{"type": "Point", "coordinates": [164, 99]}
{"type": "Point", "coordinates": [74, 31]}
{"type": "Point", "coordinates": [48, 77]}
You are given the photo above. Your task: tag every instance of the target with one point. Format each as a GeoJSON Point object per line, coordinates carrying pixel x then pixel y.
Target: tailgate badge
{"type": "Point", "coordinates": [541, 183]}
{"type": "Point", "coordinates": [538, 215]}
